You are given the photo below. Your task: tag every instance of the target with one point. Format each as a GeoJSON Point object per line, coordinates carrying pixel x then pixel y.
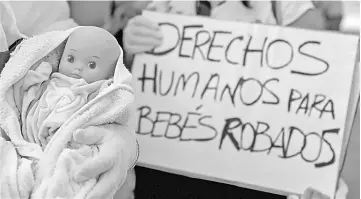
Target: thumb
{"type": "Point", "coordinates": [88, 136]}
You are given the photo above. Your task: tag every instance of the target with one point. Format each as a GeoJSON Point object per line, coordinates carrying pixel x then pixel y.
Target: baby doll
{"type": "Point", "coordinates": [88, 61]}
{"type": "Point", "coordinates": [63, 89]}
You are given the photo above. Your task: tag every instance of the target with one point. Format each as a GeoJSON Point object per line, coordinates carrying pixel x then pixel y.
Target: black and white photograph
{"type": "Point", "coordinates": [170, 99]}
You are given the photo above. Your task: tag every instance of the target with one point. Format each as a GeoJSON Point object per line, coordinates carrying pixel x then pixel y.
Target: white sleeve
{"type": "Point", "coordinates": [8, 24]}
{"type": "Point", "coordinates": [292, 10]}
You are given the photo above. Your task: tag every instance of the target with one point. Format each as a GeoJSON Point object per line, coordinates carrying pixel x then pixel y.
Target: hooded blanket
{"type": "Point", "coordinates": [28, 171]}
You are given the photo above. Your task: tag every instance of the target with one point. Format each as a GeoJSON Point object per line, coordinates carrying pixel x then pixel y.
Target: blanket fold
{"type": "Point", "coordinates": [29, 171]}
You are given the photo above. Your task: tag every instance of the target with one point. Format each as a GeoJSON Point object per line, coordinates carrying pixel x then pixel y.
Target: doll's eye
{"type": "Point", "coordinates": [70, 58]}
{"type": "Point", "coordinates": [92, 65]}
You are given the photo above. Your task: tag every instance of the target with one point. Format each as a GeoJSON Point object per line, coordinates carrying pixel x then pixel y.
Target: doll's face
{"type": "Point", "coordinates": [91, 54]}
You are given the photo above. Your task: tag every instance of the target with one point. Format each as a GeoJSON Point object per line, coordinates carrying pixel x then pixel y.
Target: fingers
{"type": "Point", "coordinates": [141, 44]}
{"type": "Point", "coordinates": [92, 168]}
{"type": "Point", "coordinates": [142, 21]}
{"type": "Point", "coordinates": [147, 32]}
{"type": "Point", "coordinates": [138, 30]}
{"type": "Point", "coordinates": [317, 195]}
{"type": "Point", "coordinates": [308, 194]}
{"type": "Point", "coordinates": [311, 193]}
{"type": "Point", "coordinates": [134, 49]}
{"type": "Point", "coordinates": [141, 35]}
{"type": "Point", "coordinates": [109, 182]}
{"type": "Point", "coordinates": [103, 161]}
{"type": "Point", "coordinates": [88, 136]}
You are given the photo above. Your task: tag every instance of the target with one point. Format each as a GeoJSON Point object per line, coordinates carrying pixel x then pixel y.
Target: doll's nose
{"type": "Point", "coordinates": [79, 67]}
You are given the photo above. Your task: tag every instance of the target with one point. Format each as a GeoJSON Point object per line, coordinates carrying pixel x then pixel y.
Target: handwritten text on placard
{"type": "Point", "coordinates": [234, 93]}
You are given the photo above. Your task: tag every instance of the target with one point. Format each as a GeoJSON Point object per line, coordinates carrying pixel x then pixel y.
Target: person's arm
{"type": "Point", "coordinates": [8, 23]}
{"type": "Point", "coordinates": [301, 14]}
{"type": "Point", "coordinates": [311, 19]}
{"type": "Point", "coordinates": [332, 11]}
{"type": "Point", "coordinates": [10, 35]}
{"type": "Point", "coordinates": [89, 13]}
